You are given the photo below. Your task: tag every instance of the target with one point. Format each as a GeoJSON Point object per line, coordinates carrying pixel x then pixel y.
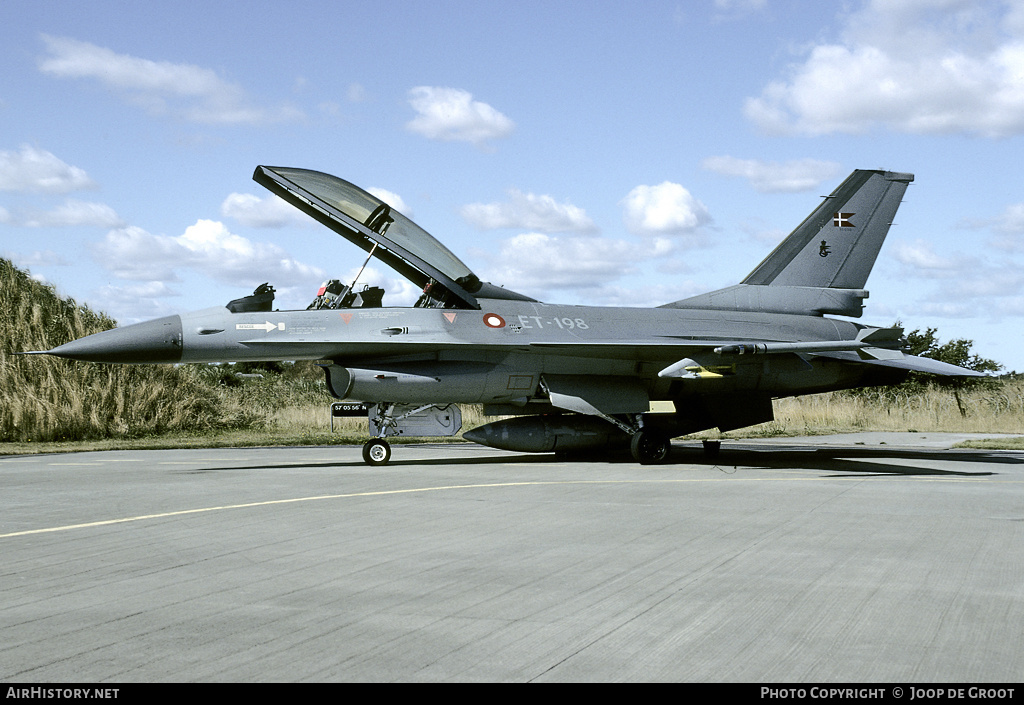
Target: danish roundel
{"type": "Point", "coordinates": [493, 320]}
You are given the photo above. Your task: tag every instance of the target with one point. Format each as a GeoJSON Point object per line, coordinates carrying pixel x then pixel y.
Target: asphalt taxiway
{"type": "Point", "coordinates": [854, 559]}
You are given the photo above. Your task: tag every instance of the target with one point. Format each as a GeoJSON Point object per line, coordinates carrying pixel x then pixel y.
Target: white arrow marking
{"type": "Point", "coordinates": [268, 326]}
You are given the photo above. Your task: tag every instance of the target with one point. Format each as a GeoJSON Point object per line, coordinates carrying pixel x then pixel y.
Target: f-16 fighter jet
{"type": "Point", "coordinates": [566, 378]}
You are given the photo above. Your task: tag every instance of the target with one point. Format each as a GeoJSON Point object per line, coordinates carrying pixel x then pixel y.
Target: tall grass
{"type": "Point", "coordinates": [995, 407]}
{"type": "Point", "coordinates": [49, 399]}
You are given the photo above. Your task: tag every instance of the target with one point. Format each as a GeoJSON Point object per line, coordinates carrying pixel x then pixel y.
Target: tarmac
{"type": "Point", "coordinates": [871, 558]}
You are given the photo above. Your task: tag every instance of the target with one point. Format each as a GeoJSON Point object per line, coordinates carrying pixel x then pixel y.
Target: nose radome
{"type": "Point", "coordinates": [153, 341]}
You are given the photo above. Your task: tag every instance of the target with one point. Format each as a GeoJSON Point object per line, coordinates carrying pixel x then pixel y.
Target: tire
{"type": "Point", "coordinates": [650, 448]}
{"type": "Point", "coordinates": [376, 451]}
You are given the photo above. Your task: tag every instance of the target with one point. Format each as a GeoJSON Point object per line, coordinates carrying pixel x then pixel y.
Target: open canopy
{"type": "Point", "coordinates": [374, 226]}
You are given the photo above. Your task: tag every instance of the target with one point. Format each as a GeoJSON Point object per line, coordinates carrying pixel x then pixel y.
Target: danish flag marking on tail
{"type": "Point", "coordinates": [842, 220]}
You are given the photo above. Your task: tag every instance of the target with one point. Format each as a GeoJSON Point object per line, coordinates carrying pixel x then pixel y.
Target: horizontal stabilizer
{"type": "Point", "coordinates": [909, 362]}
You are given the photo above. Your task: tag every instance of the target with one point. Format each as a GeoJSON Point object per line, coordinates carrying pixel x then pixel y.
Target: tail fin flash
{"type": "Point", "coordinates": [836, 245]}
{"type": "Point", "coordinates": [823, 265]}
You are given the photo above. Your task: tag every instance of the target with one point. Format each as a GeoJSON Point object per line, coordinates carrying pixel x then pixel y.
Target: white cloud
{"type": "Point", "coordinates": [392, 199]}
{"type": "Point", "coordinates": [131, 293]}
{"type": "Point", "coordinates": [991, 281]}
{"type": "Point", "coordinates": [529, 211]}
{"type": "Point", "coordinates": [938, 67]}
{"type": "Point", "coordinates": [644, 296]}
{"type": "Point", "coordinates": [72, 213]}
{"type": "Point", "coordinates": [1012, 219]}
{"type": "Point", "coordinates": [1010, 242]}
{"type": "Point", "coordinates": [208, 247]}
{"type": "Point", "coordinates": [921, 256]}
{"type": "Point", "coordinates": [135, 302]}
{"type": "Point", "coordinates": [772, 177]}
{"type": "Point", "coordinates": [963, 283]}
{"type": "Point", "coordinates": [666, 209]}
{"type": "Point", "coordinates": [1009, 228]}
{"type": "Point", "coordinates": [535, 263]}
{"type": "Point", "coordinates": [356, 93]}
{"type": "Point", "coordinates": [550, 267]}
{"type": "Point", "coordinates": [132, 253]}
{"type": "Point", "coordinates": [233, 258]}
{"type": "Point", "coordinates": [738, 9]}
{"type": "Point", "coordinates": [451, 114]}
{"type": "Point", "coordinates": [187, 91]}
{"type": "Point", "coordinates": [38, 171]}
{"type": "Point", "coordinates": [37, 258]}
{"type": "Point", "coordinates": [947, 309]}
{"type": "Point", "coordinates": [256, 212]}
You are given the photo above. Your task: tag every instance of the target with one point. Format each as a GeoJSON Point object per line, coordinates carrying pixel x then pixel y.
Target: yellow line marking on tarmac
{"type": "Point", "coordinates": [381, 493]}
{"type": "Point", "coordinates": [378, 493]}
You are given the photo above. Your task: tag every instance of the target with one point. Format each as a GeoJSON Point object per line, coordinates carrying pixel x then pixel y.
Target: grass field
{"type": "Point", "coordinates": [995, 407]}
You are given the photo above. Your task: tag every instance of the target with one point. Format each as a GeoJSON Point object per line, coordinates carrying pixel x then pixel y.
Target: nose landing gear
{"type": "Point", "coordinates": [388, 419]}
{"type": "Point", "coordinates": [376, 451]}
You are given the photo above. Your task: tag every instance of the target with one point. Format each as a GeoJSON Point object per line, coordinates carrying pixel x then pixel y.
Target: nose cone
{"type": "Point", "coordinates": [477, 435]}
{"type": "Point", "coordinates": [153, 341]}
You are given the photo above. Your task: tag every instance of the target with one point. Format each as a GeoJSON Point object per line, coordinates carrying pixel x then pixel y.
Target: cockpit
{"type": "Point", "coordinates": [383, 233]}
{"type": "Point", "coordinates": [335, 294]}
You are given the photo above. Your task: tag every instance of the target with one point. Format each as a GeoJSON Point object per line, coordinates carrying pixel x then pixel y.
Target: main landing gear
{"type": "Point", "coordinates": [650, 447]}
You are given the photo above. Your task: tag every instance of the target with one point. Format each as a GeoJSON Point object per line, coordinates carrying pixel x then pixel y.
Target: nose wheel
{"type": "Point", "coordinates": [376, 451]}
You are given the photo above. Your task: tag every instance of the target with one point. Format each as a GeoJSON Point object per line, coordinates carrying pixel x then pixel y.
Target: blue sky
{"type": "Point", "coordinates": [579, 152]}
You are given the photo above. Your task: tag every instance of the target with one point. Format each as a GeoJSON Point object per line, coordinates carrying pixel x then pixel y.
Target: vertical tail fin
{"type": "Point", "coordinates": [823, 265]}
{"type": "Point", "coordinates": [836, 245]}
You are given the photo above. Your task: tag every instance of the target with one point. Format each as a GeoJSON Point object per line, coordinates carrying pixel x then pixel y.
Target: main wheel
{"type": "Point", "coordinates": [376, 451]}
{"type": "Point", "coordinates": [649, 448]}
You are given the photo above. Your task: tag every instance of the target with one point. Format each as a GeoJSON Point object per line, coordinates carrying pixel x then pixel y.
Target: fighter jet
{"type": "Point", "coordinates": [564, 378]}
